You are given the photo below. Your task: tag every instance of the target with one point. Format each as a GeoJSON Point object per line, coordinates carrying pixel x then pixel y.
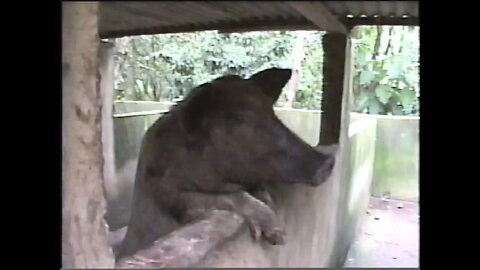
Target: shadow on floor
{"type": "Point", "coordinates": [389, 236]}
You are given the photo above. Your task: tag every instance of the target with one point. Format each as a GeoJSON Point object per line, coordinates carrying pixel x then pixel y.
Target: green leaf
{"type": "Point", "coordinates": [407, 97]}
{"type": "Point", "coordinates": [366, 77]}
{"type": "Point", "coordinates": [411, 78]}
{"type": "Point", "coordinates": [383, 92]}
{"type": "Point", "coordinates": [394, 72]}
{"type": "Point", "coordinates": [374, 107]}
{"type": "Point", "coordinates": [397, 110]}
{"type": "Point", "coordinates": [363, 100]}
{"type": "Point", "coordinates": [361, 59]}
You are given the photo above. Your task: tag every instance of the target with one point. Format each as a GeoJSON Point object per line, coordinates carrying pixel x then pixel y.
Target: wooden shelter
{"type": "Point", "coordinates": [84, 232]}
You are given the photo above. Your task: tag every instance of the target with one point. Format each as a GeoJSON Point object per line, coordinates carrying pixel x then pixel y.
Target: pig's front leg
{"type": "Point", "coordinates": [262, 194]}
{"type": "Point", "coordinates": [260, 218]}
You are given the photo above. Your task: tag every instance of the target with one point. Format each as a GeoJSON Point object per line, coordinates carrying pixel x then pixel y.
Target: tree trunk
{"type": "Point", "coordinates": [389, 40]}
{"type": "Point", "coordinates": [298, 55]}
{"type": "Point", "coordinates": [84, 231]}
{"type": "Point", "coordinates": [403, 30]}
{"type": "Point", "coordinates": [376, 48]}
{"type": "Point", "coordinates": [137, 94]}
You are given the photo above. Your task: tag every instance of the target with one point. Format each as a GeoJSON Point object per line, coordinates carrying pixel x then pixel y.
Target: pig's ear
{"type": "Point", "coordinates": [272, 81]}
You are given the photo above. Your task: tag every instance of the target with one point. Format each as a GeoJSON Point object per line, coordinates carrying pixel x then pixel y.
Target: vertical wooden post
{"type": "Point", "coordinates": [106, 67]}
{"type": "Point", "coordinates": [334, 47]}
{"type": "Point", "coordinates": [341, 169]}
{"type": "Point", "coordinates": [84, 231]}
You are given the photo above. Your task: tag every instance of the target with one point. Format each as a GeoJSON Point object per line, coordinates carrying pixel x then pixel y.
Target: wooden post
{"type": "Point", "coordinates": [334, 47]}
{"type": "Point", "coordinates": [343, 159]}
{"type": "Point", "coordinates": [84, 231]}
{"type": "Point", "coordinates": [106, 69]}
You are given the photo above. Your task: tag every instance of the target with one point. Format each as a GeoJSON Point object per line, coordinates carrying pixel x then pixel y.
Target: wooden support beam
{"type": "Point", "coordinates": [106, 69]}
{"type": "Point", "coordinates": [84, 230]}
{"type": "Point", "coordinates": [188, 245]}
{"type": "Point", "coordinates": [334, 47]}
{"type": "Point", "coordinates": [319, 15]}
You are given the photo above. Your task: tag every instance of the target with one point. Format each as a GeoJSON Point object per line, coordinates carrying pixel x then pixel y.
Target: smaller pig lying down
{"type": "Point", "coordinates": [215, 150]}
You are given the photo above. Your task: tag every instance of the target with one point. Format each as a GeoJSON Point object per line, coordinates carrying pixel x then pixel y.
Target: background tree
{"type": "Point", "coordinates": [386, 77]}
{"type": "Point", "coordinates": [166, 67]}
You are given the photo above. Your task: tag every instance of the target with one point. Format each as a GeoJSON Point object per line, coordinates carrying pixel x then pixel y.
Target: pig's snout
{"type": "Point", "coordinates": [324, 172]}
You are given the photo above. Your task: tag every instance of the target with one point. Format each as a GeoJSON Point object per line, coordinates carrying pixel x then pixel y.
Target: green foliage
{"type": "Point", "coordinates": [309, 93]}
{"type": "Point", "coordinates": [386, 70]}
{"type": "Point", "coordinates": [165, 67]}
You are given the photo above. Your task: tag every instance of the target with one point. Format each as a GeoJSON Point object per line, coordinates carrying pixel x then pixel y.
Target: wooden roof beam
{"type": "Point", "coordinates": [319, 15]}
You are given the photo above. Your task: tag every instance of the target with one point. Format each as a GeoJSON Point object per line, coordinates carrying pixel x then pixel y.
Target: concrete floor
{"type": "Point", "coordinates": [389, 236]}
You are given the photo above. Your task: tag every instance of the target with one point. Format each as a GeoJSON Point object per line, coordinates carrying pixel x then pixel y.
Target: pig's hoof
{"type": "Point", "coordinates": [275, 236]}
{"type": "Point", "coordinates": [268, 201]}
{"type": "Point", "coordinates": [255, 230]}
{"type": "Point", "coordinates": [265, 197]}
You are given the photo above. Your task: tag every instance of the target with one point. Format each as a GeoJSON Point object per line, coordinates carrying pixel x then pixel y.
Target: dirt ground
{"type": "Point", "coordinates": [389, 236]}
